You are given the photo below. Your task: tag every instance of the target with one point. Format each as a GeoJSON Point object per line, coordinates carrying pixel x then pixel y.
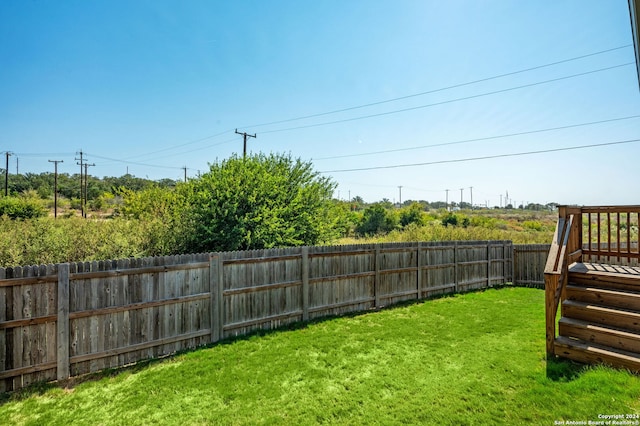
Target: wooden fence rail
{"type": "Point", "coordinates": [58, 321]}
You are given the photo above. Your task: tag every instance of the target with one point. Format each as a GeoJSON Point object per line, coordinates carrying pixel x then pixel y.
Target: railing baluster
{"type": "Point", "coordinates": [589, 236]}
{"type": "Point", "coordinates": [628, 229]}
{"type": "Point", "coordinates": [637, 237]}
{"type": "Point", "coordinates": [608, 237]}
{"type": "Point", "coordinates": [598, 248]}
{"type": "Point", "coordinates": [618, 234]}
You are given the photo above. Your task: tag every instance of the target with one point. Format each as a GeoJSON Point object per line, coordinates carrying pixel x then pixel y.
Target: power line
{"type": "Point", "coordinates": [439, 89]}
{"type": "Point", "coordinates": [487, 157]}
{"type": "Point", "coordinates": [135, 163]}
{"type": "Point", "coordinates": [192, 150]}
{"type": "Point", "coordinates": [45, 154]}
{"type": "Point", "coordinates": [378, 102]}
{"type": "Point", "coordinates": [183, 144]}
{"type": "Point", "coordinates": [529, 132]}
{"type": "Point", "coordinates": [165, 156]}
{"type": "Point", "coordinates": [345, 120]}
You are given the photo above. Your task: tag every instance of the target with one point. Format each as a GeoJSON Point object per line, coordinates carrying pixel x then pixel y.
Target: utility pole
{"type": "Point", "coordinates": [400, 197]}
{"type": "Point", "coordinates": [471, 190]}
{"type": "Point", "coordinates": [6, 175]}
{"type": "Point", "coordinates": [17, 167]}
{"type": "Point", "coordinates": [461, 189]}
{"type": "Point", "coordinates": [447, 204]}
{"type": "Point", "coordinates": [185, 172]}
{"type": "Point", "coordinates": [81, 164]}
{"type": "Point", "coordinates": [86, 187]}
{"type": "Point", "coordinates": [500, 200]}
{"type": "Point", "coordinates": [55, 186]}
{"type": "Point", "coordinates": [245, 136]}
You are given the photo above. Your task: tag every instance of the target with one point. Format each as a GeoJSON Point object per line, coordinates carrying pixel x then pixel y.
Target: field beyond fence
{"type": "Point", "coordinates": [58, 321]}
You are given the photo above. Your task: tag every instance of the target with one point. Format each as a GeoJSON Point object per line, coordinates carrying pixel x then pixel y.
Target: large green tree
{"type": "Point", "coordinates": [260, 201]}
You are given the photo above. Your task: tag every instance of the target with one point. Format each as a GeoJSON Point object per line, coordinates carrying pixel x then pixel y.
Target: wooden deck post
{"type": "Point", "coordinates": [550, 288]}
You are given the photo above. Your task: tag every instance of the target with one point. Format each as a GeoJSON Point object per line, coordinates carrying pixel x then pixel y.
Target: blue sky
{"type": "Point", "coordinates": [152, 86]}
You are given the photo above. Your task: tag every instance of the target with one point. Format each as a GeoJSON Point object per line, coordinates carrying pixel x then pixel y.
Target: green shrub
{"type": "Point", "coordinates": [377, 220]}
{"type": "Point", "coordinates": [21, 207]}
{"type": "Point", "coordinates": [450, 219]}
{"type": "Point", "coordinates": [412, 214]}
{"type": "Point", "coordinates": [259, 202]}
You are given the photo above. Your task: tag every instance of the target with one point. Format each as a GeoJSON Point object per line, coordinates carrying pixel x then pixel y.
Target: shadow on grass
{"type": "Point", "coordinates": [563, 370]}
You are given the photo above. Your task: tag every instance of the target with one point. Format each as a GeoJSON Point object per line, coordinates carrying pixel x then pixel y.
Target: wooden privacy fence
{"type": "Point", "coordinates": [64, 320]}
{"type": "Point", "coordinates": [528, 264]}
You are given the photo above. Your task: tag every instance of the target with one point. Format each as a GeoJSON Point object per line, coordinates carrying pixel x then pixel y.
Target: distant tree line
{"type": "Point", "coordinates": [69, 185]}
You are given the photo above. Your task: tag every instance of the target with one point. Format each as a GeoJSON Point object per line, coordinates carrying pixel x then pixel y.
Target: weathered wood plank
{"type": "Point", "coordinates": [62, 356]}
{"type": "Point", "coordinates": [305, 283]}
{"type": "Point", "coordinates": [138, 347]}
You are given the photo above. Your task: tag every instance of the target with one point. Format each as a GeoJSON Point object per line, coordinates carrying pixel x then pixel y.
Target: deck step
{"type": "Point", "coordinates": [605, 280]}
{"type": "Point", "coordinates": [600, 335]}
{"type": "Point", "coordinates": [596, 354]}
{"type": "Point", "coordinates": [628, 320]}
{"type": "Point", "coordinates": [610, 298]}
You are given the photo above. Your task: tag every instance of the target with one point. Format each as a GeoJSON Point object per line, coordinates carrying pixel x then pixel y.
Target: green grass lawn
{"type": "Point", "coordinates": [476, 358]}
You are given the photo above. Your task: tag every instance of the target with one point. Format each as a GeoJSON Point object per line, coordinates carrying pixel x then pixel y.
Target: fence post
{"type": "Point", "coordinates": [216, 285]}
{"type": "Point", "coordinates": [213, 278]}
{"type": "Point", "coordinates": [507, 252]}
{"type": "Point", "coordinates": [515, 269]}
{"type": "Point", "coordinates": [63, 323]}
{"type": "Point", "coordinates": [419, 272]}
{"type": "Point", "coordinates": [305, 283]}
{"type": "Point", "coordinates": [455, 266]}
{"type": "Point", "coordinates": [488, 264]}
{"type": "Point", "coordinates": [376, 277]}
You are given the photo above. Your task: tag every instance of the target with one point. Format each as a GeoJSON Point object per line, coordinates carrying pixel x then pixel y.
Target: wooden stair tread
{"type": "Point", "coordinates": [596, 354]}
{"type": "Point", "coordinates": [613, 298]}
{"type": "Point", "coordinates": [606, 309]}
{"type": "Point", "coordinates": [605, 276]}
{"type": "Point", "coordinates": [606, 316]}
{"type": "Point", "coordinates": [599, 327]}
{"type": "Point", "coordinates": [606, 270]}
{"type": "Point", "coordinates": [630, 293]}
{"type": "Point", "coordinates": [605, 335]}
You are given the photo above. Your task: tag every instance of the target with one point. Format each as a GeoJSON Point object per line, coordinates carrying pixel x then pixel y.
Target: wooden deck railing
{"type": "Point", "coordinates": [606, 234]}
{"type": "Point", "coordinates": [611, 234]}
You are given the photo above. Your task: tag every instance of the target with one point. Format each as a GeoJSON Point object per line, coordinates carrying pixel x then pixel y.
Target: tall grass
{"type": "Point", "coordinates": [48, 240]}
{"type": "Point", "coordinates": [437, 232]}
{"type": "Point", "coordinates": [45, 240]}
